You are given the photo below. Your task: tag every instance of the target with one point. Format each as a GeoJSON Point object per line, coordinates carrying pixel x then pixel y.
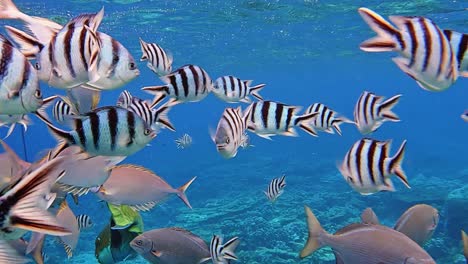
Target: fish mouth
{"type": "Point", "coordinates": [153, 134]}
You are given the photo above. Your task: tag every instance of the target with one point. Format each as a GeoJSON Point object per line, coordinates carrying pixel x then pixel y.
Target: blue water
{"type": "Point", "coordinates": [306, 52]}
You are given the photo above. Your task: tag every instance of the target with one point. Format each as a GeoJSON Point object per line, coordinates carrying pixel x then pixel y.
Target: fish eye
{"type": "Point", "coordinates": [132, 66]}
{"type": "Point", "coordinates": [228, 140]}
{"type": "Point", "coordinates": [38, 94]}
{"type": "Point", "coordinates": [37, 66]}
{"type": "Point", "coordinates": [147, 131]}
{"type": "Point", "coordinates": [139, 242]}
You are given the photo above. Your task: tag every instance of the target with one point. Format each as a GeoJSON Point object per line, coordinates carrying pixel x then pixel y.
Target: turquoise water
{"type": "Point", "coordinates": [306, 52]}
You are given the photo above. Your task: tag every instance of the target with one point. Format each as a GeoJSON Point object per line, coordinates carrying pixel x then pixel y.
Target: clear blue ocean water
{"type": "Point", "coordinates": [306, 52]}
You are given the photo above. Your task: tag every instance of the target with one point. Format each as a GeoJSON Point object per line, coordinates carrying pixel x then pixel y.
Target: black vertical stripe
{"type": "Point", "coordinates": [427, 43]}
{"type": "Point", "coordinates": [52, 55]}
{"type": "Point", "coordinates": [81, 133]}
{"type": "Point", "coordinates": [238, 90]}
{"type": "Point", "coordinates": [322, 114]}
{"type": "Point", "coordinates": [224, 85]}
{"type": "Point", "coordinates": [382, 170]}
{"type": "Point", "coordinates": [25, 77]}
{"type": "Point", "coordinates": [112, 122]}
{"type": "Point", "coordinates": [67, 44]}
{"type": "Point", "coordinates": [252, 113]}
{"type": "Point", "coordinates": [231, 81]}
{"type": "Point", "coordinates": [278, 115]}
{"type": "Point", "coordinates": [462, 47]}
{"type": "Point", "coordinates": [131, 127]}
{"type": "Point", "coordinates": [185, 84]}
{"type": "Point", "coordinates": [173, 82]}
{"type": "Point", "coordinates": [82, 42]}
{"type": "Point", "coordinates": [95, 130]}
{"type": "Point", "coordinates": [115, 57]}
{"type": "Point", "coordinates": [443, 51]}
{"type": "Point", "coordinates": [205, 80]}
{"type": "Point", "coordinates": [370, 160]}
{"type": "Point", "coordinates": [289, 117]}
{"type": "Point", "coordinates": [357, 155]}
{"type": "Point", "coordinates": [367, 105]}
{"type": "Point", "coordinates": [414, 43]}
{"type": "Point", "coordinates": [233, 127]}
{"type": "Point", "coordinates": [265, 110]}
{"type": "Point", "coordinates": [196, 78]}
{"type": "Point", "coordinates": [7, 54]}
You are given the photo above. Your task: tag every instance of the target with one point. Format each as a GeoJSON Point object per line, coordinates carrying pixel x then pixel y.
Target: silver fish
{"type": "Point", "coordinates": [184, 142]}
{"type": "Point", "coordinates": [275, 188]}
{"type": "Point", "coordinates": [426, 55]}
{"type": "Point", "coordinates": [327, 119]}
{"type": "Point", "coordinates": [367, 166]}
{"type": "Point", "coordinates": [232, 89]}
{"type": "Point", "coordinates": [159, 60]}
{"type": "Point", "coordinates": [371, 111]}
{"type": "Point", "coordinates": [377, 244]}
{"type": "Point", "coordinates": [189, 83]}
{"type": "Point", "coordinates": [268, 118]}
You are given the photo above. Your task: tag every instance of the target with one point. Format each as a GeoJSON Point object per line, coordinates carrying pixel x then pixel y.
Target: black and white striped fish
{"type": "Point", "coordinates": [189, 83]}
{"type": "Point", "coordinates": [159, 60]}
{"type": "Point", "coordinates": [232, 89]}
{"type": "Point", "coordinates": [84, 222]}
{"type": "Point", "coordinates": [156, 118]}
{"type": "Point", "coordinates": [268, 118]}
{"type": "Point", "coordinates": [231, 132]}
{"type": "Point", "coordinates": [275, 188]}
{"type": "Point", "coordinates": [106, 131]}
{"type": "Point", "coordinates": [61, 111]}
{"type": "Point", "coordinates": [327, 119]}
{"type": "Point", "coordinates": [70, 57]}
{"type": "Point", "coordinates": [184, 142]}
{"type": "Point", "coordinates": [367, 166]}
{"type": "Point", "coordinates": [12, 120]}
{"type": "Point", "coordinates": [371, 111]}
{"type": "Point", "coordinates": [459, 44]}
{"type": "Point", "coordinates": [222, 254]}
{"type": "Point", "coordinates": [425, 53]}
{"type": "Point", "coordinates": [19, 84]}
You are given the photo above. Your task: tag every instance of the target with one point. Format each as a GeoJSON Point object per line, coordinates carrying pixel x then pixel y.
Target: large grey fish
{"type": "Point", "coordinates": [138, 188]}
{"type": "Point", "coordinates": [189, 83]}
{"type": "Point", "coordinates": [231, 131]}
{"type": "Point", "coordinates": [371, 111]}
{"type": "Point", "coordinates": [232, 89]}
{"type": "Point", "coordinates": [268, 118]}
{"type": "Point", "coordinates": [327, 119]}
{"type": "Point", "coordinates": [171, 246]}
{"type": "Point", "coordinates": [376, 244]}
{"type": "Point", "coordinates": [19, 84]}
{"type": "Point", "coordinates": [426, 55]}
{"type": "Point", "coordinates": [159, 60]}
{"type": "Point", "coordinates": [367, 166]}
{"type": "Point", "coordinates": [106, 131]}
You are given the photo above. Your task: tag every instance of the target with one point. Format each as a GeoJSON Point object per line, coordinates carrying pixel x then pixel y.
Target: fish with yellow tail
{"type": "Point", "coordinates": [377, 244]}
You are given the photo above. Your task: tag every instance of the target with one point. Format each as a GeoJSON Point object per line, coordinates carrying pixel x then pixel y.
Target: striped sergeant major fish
{"type": "Point", "coordinates": [371, 111]}
{"type": "Point", "coordinates": [70, 57]}
{"type": "Point", "coordinates": [189, 83]}
{"type": "Point", "coordinates": [61, 110]}
{"type": "Point", "coordinates": [464, 116]}
{"type": "Point", "coordinates": [327, 119]}
{"type": "Point", "coordinates": [367, 166]}
{"type": "Point", "coordinates": [268, 118]}
{"type": "Point", "coordinates": [232, 89]}
{"type": "Point", "coordinates": [156, 118]}
{"type": "Point", "coordinates": [105, 131]}
{"type": "Point", "coordinates": [426, 55]}
{"type": "Point", "coordinates": [184, 142]}
{"type": "Point", "coordinates": [459, 44]}
{"type": "Point", "coordinates": [19, 84]}
{"type": "Point", "coordinates": [222, 253]}
{"type": "Point", "coordinates": [84, 221]}
{"type": "Point", "coordinates": [231, 132]}
{"type": "Point", "coordinates": [275, 188]}
{"type": "Point", "coordinates": [159, 60]}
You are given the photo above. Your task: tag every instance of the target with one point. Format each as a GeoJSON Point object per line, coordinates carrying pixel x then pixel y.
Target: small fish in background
{"type": "Point", "coordinates": [12, 120]}
{"type": "Point", "coordinates": [20, 92]}
{"type": "Point", "coordinates": [189, 83]}
{"type": "Point", "coordinates": [268, 118]}
{"type": "Point", "coordinates": [232, 90]}
{"type": "Point", "coordinates": [171, 245]}
{"type": "Point", "coordinates": [84, 222]}
{"type": "Point", "coordinates": [380, 244]}
{"type": "Point", "coordinates": [159, 60]}
{"type": "Point", "coordinates": [275, 188]}
{"type": "Point", "coordinates": [465, 245]}
{"type": "Point", "coordinates": [371, 111]}
{"type": "Point", "coordinates": [464, 116]}
{"type": "Point", "coordinates": [222, 253]}
{"type": "Point", "coordinates": [231, 132]}
{"type": "Point", "coordinates": [67, 218]}
{"type": "Point", "coordinates": [367, 166]}
{"type": "Point", "coordinates": [139, 188]}
{"type": "Point", "coordinates": [106, 131]}
{"type": "Point", "coordinates": [184, 141]}
{"type": "Point", "coordinates": [327, 119]}
{"type": "Point", "coordinates": [156, 118]}
{"type": "Point", "coordinates": [418, 223]}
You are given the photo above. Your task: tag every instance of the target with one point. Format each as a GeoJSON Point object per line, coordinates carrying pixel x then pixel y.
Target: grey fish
{"type": "Point", "coordinates": [232, 89]}
{"type": "Point", "coordinates": [377, 244]}
{"type": "Point", "coordinates": [171, 246]}
{"type": "Point", "coordinates": [418, 223]}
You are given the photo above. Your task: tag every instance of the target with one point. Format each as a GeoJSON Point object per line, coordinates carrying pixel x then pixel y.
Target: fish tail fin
{"type": "Point", "coordinates": [159, 93]}
{"type": "Point", "coordinates": [94, 57]}
{"type": "Point", "coordinates": [384, 41]}
{"type": "Point", "coordinates": [315, 233]}
{"type": "Point", "coordinates": [385, 108]}
{"type": "Point", "coordinates": [163, 118]}
{"type": "Point", "coordinates": [254, 91]}
{"type": "Point", "coordinates": [144, 55]}
{"type": "Point", "coordinates": [10, 130]}
{"type": "Point", "coordinates": [229, 248]}
{"type": "Point", "coordinates": [395, 164]}
{"type": "Point", "coordinates": [25, 197]}
{"type": "Point", "coordinates": [36, 243]}
{"type": "Point", "coordinates": [8, 10]}
{"type": "Point", "coordinates": [338, 121]}
{"type": "Point", "coordinates": [46, 103]}
{"type": "Point", "coordinates": [465, 244]}
{"type": "Point", "coordinates": [9, 255]}
{"type": "Point", "coordinates": [62, 136]}
{"type": "Point", "coordinates": [305, 123]}
{"type": "Point", "coordinates": [368, 216]}
{"type": "Point", "coordinates": [29, 46]}
{"type": "Point", "coordinates": [182, 189]}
